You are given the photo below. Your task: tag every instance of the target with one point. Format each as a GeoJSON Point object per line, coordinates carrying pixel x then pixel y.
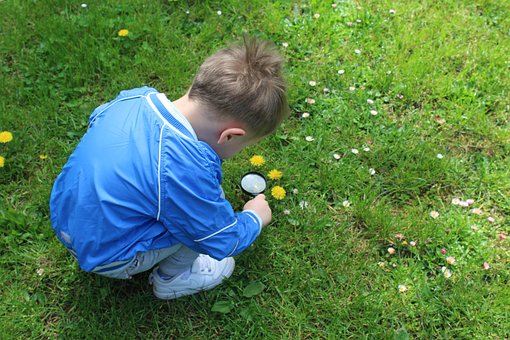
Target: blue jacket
{"type": "Point", "coordinates": [140, 179]}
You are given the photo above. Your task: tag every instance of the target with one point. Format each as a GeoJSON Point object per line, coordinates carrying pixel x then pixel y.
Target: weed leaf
{"type": "Point", "coordinates": [222, 306]}
{"type": "Point", "coordinates": [401, 334]}
{"type": "Point", "coordinates": [254, 288]}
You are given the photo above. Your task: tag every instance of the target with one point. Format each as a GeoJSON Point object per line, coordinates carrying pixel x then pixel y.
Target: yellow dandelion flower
{"type": "Point", "coordinates": [123, 32]}
{"type": "Point", "coordinates": [278, 192]}
{"type": "Point", "coordinates": [257, 160]}
{"type": "Point", "coordinates": [275, 174]}
{"type": "Point", "coordinates": [2, 162]}
{"type": "Point", "coordinates": [5, 137]}
{"type": "Point", "coordinates": [43, 157]}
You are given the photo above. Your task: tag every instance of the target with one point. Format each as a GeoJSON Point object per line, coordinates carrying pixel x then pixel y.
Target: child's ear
{"type": "Point", "coordinates": [230, 133]}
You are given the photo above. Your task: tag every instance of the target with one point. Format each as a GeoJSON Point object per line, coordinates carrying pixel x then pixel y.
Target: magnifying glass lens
{"type": "Point", "coordinates": [253, 183]}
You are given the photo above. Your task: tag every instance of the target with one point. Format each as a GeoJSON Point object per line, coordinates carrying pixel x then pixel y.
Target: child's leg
{"type": "Point", "coordinates": [178, 262]}
{"type": "Point", "coordinates": [142, 262]}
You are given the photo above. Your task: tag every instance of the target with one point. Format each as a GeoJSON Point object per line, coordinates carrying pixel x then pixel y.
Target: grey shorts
{"type": "Point", "coordinates": [142, 262]}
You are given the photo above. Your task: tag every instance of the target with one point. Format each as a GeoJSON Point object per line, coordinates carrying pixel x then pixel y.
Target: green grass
{"type": "Point", "coordinates": [318, 261]}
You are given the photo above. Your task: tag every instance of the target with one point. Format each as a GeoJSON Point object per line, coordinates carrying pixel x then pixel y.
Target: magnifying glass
{"type": "Point", "coordinates": [253, 183]}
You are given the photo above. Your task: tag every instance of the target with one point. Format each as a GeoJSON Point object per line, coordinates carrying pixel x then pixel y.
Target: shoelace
{"type": "Point", "coordinates": [205, 264]}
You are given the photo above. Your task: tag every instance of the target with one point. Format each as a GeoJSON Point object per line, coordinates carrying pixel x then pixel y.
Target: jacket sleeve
{"type": "Point", "coordinates": [194, 211]}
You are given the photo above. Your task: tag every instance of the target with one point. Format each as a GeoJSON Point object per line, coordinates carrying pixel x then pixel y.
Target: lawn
{"type": "Point", "coordinates": [395, 163]}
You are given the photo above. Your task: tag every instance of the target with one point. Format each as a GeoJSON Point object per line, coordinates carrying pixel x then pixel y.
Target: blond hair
{"type": "Point", "coordinates": [245, 83]}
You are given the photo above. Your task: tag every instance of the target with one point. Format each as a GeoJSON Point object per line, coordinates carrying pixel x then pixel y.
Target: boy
{"type": "Point", "coordinates": [143, 187]}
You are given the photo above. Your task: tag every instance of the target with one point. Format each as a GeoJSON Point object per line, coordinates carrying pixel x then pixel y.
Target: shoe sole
{"type": "Point", "coordinates": [176, 295]}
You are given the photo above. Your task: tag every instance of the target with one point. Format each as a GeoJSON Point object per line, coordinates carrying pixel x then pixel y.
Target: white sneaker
{"type": "Point", "coordinates": [205, 273]}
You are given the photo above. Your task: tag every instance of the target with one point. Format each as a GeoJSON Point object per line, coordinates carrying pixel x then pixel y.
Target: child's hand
{"type": "Point", "coordinates": [261, 207]}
